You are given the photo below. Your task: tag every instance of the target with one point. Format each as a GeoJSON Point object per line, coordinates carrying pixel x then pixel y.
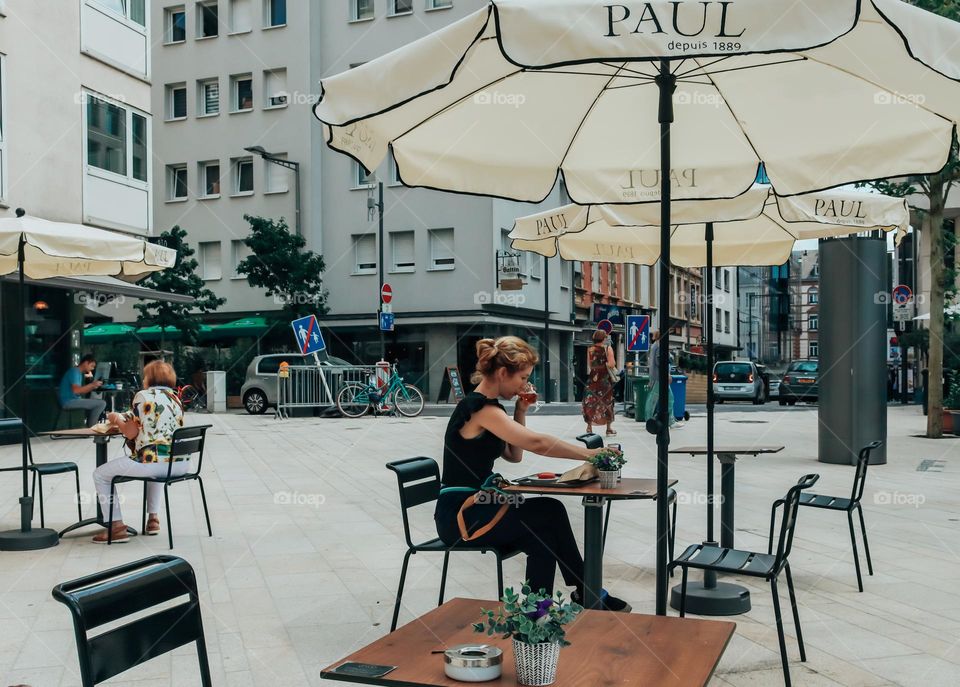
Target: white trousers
{"type": "Point", "coordinates": [126, 466]}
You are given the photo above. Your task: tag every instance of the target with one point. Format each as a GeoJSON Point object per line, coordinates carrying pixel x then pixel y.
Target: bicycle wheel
{"type": "Point", "coordinates": [188, 395]}
{"type": "Point", "coordinates": [353, 401]}
{"type": "Point", "coordinates": [408, 400]}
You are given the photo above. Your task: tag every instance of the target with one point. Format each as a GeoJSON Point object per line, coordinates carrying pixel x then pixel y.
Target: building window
{"type": "Point", "coordinates": [211, 267]}
{"type": "Point", "coordinates": [361, 10]}
{"type": "Point", "coordinates": [813, 349]}
{"type": "Point", "coordinates": [240, 19]}
{"type": "Point", "coordinates": [365, 251]}
{"type": "Point", "coordinates": [208, 19]}
{"type": "Point", "coordinates": [361, 179]}
{"type": "Point", "coordinates": [402, 251]}
{"type": "Point", "coordinates": [176, 101]}
{"type": "Point", "coordinates": [277, 178]}
{"type": "Point", "coordinates": [441, 249]}
{"type": "Point", "coordinates": [726, 321]}
{"type": "Point", "coordinates": [242, 176]}
{"type": "Point", "coordinates": [813, 323]}
{"type": "Point", "coordinates": [210, 179]}
{"type": "Point", "coordinates": [564, 275]}
{"type": "Point", "coordinates": [813, 296]}
{"type": "Point", "coordinates": [239, 251]}
{"type": "Point", "coordinates": [274, 13]}
{"type": "Point", "coordinates": [394, 170]}
{"type": "Point", "coordinates": [726, 280]}
{"type": "Point", "coordinates": [108, 146]}
{"type": "Point", "coordinates": [439, 4]}
{"type": "Point", "coordinates": [815, 271]}
{"type": "Point", "coordinates": [134, 10]}
{"type": "Point", "coordinates": [717, 323]}
{"type": "Point", "coordinates": [208, 97]}
{"type": "Point", "coordinates": [241, 86]}
{"type": "Point", "coordinates": [3, 139]}
{"type": "Point", "coordinates": [400, 7]}
{"type": "Point", "coordinates": [175, 25]}
{"type": "Point", "coordinates": [177, 182]}
{"type": "Point", "coordinates": [275, 87]}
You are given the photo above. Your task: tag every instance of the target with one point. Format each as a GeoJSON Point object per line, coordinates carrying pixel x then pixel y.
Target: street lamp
{"type": "Point", "coordinates": [375, 206]}
{"type": "Point", "coordinates": [288, 164]}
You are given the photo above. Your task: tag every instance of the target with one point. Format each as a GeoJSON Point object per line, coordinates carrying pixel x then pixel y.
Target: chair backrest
{"type": "Point", "coordinates": [591, 440]}
{"type": "Point", "coordinates": [112, 595]}
{"type": "Point", "coordinates": [791, 506]}
{"type": "Point", "coordinates": [419, 482]}
{"type": "Point", "coordinates": [860, 478]}
{"type": "Point", "coordinates": [188, 441]}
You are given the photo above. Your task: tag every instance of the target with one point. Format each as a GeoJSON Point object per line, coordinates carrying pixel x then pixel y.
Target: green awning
{"type": "Point", "coordinates": [247, 326]}
{"type": "Point", "coordinates": [169, 333]}
{"type": "Point", "coordinates": [106, 332]}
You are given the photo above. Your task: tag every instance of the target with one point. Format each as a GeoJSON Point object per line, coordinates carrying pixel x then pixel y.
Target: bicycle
{"type": "Point", "coordinates": [189, 394]}
{"type": "Point", "coordinates": [356, 400]}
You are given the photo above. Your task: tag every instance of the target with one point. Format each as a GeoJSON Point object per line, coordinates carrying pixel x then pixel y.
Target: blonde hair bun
{"type": "Point", "coordinates": [510, 352]}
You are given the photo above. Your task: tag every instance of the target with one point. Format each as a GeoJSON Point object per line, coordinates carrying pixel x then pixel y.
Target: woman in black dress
{"type": "Point", "coordinates": [479, 432]}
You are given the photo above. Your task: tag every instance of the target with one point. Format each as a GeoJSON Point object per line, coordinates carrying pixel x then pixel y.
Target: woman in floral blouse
{"type": "Point", "coordinates": [156, 414]}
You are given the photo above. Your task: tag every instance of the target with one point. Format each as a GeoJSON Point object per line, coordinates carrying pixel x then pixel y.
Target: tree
{"type": "Point", "coordinates": [290, 275]}
{"type": "Point", "coordinates": [180, 279]}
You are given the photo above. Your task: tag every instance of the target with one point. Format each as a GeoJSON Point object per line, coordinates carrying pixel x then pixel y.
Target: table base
{"type": "Point", "coordinates": [720, 598]}
{"type": "Point", "coordinates": [93, 521]}
{"type": "Point", "coordinates": [36, 538]}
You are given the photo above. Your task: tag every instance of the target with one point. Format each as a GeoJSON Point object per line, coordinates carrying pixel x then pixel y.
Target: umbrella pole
{"type": "Point", "coordinates": [667, 83]}
{"type": "Point", "coordinates": [25, 538]}
{"type": "Point", "coordinates": [708, 235]}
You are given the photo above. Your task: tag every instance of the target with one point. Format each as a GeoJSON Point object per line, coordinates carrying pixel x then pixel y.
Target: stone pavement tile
{"type": "Point", "coordinates": [849, 642]}
{"type": "Point", "coordinates": [244, 577]}
{"type": "Point", "coordinates": [262, 631]}
{"type": "Point", "coordinates": [284, 586]}
{"type": "Point", "coordinates": [917, 670]}
{"type": "Point", "coordinates": [233, 652]}
{"type": "Point", "coordinates": [801, 676]}
{"type": "Point", "coordinates": [35, 677]}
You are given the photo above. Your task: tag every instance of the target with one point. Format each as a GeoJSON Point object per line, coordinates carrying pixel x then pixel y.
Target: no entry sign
{"type": "Point", "coordinates": [386, 293]}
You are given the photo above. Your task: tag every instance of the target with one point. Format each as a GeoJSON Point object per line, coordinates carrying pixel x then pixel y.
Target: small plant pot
{"type": "Point", "coordinates": [951, 421]}
{"type": "Point", "coordinates": [536, 663]}
{"type": "Point", "coordinates": [608, 479]}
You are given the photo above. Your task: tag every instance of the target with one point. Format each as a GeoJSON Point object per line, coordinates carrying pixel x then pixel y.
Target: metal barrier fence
{"type": "Point", "coordinates": [317, 386]}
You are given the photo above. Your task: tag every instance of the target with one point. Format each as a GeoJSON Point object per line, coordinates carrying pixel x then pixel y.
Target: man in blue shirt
{"type": "Point", "coordinates": [72, 388]}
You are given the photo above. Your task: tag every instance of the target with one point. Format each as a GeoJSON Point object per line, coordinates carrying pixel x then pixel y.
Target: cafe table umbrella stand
{"type": "Point", "coordinates": [760, 228]}
{"type": "Point", "coordinates": [449, 109]}
{"type": "Point", "coordinates": [61, 249]}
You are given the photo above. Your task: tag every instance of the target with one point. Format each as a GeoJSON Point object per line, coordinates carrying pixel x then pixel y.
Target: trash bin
{"type": "Point", "coordinates": [640, 391]}
{"type": "Point", "coordinates": [678, 385]}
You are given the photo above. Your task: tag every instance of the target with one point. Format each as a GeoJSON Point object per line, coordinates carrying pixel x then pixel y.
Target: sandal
{"type": "Point", "coordinates": [153, 527]}
{"type": "Point", "coordinates": [611, 433]}
{"type": "Point", "coordinates": [120, 535]}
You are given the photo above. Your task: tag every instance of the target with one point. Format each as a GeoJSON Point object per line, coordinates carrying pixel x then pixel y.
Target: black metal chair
{"type": "Point", "coordinates": [186, 441]}
{"type": "Point", "coordinates": [419, 483]}
{"type": "Point", "coordinates": [112, 595]}
{"type": "Point", "coordinates": [767, 566]}
{"type": "Point", "coordinates": [40, 470]}
{"type": "Point", "coordinates": [847, 505]}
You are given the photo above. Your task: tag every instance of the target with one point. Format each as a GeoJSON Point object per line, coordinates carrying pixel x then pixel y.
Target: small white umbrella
{"type": "Point", "coordinates": [40, 249]}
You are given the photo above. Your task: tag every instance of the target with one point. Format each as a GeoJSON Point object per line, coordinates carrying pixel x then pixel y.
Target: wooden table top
{"type": "Point", "coordinates": [81, 432]}
{"type": "Point", "coordinates": [742, 450]}
{"type": "Point", "coordinates": [607, 649]}
{"type": "Point", "coordinates": [627, 488]}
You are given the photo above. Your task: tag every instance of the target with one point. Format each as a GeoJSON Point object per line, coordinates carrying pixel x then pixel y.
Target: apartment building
{"type": "Point", "coordinates": [75, 146]}
{"type": "Point", "coordinates": [807, 324]}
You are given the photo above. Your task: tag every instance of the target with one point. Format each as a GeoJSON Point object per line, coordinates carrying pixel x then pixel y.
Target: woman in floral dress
{"type": "Point", "coordinates": [156, 414]}
{"type": "Point", "coordinates": [598, 395]}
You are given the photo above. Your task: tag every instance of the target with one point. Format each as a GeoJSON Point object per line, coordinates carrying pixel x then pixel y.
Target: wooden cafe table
{"type": "Point", "coordinates": [606, 648]}
{"type": "Point", "coordinates": [594, 499]}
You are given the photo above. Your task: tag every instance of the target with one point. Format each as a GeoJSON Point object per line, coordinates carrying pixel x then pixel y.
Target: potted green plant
{"type": "Point", "coordinates": [951, 404]}
{"type": "Point", "coordinates": [608, 462]}
{"type": "Point", "coordinates": [534, 620]}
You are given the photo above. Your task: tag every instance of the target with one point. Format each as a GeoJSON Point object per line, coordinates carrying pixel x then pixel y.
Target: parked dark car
{"type": "Point", "coordinates": [799, 382]}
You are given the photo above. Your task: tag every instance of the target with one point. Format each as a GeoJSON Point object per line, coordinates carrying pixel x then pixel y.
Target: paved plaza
{"type": "Point", "coordinates": [303, 565]}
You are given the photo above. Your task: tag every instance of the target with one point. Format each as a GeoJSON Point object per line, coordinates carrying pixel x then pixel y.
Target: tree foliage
{"type": "Point", "coordinates": [292, 276]}
{"type": "Point", "coordinates": [180, 279]}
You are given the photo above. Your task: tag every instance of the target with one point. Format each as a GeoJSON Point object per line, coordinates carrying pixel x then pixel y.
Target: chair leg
{"type": "Point", "coordinates": [76, 476]}
{"type": "Point", "coordinates": [40, 490]}
{"type": "Point", "coordinates": [403, 578]}
{"type": "Point", "coordinates": [856, 556]}
{"type": "Point", "coordinates": [866, 546]}
{"type": "Point", "coordinates": [606, 523]}
{"type": "Point", "coordinates": [783, 643]}
{"type": "Point", "coordinates": [166, 505]}
{"type": "Point", "coordinates": [113, 497]}
{"type": "Point", "coordinates": [499, 575]}
{"type": "Point", "coordinates": [683, 592]}
{"type": "Point", "coordinates": [33, 492]}
{"type": "Point", "coordinates": [672, 526]}
{"type": "Point", "coordinates": [206, 513]}
{"type": "Point", "coordinates": [796, 612]}
{"type": "Point", "coordinates": [443, 576]}
{"type": "Point", "coordinates": [143, 519]}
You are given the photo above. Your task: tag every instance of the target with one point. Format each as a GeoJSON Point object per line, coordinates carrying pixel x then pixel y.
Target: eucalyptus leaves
{"type": "Point", "coordinates": [530, 617]}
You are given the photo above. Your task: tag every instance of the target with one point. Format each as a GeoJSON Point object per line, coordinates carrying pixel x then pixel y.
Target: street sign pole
{"type": "Point", "coordinates": [383, 340]}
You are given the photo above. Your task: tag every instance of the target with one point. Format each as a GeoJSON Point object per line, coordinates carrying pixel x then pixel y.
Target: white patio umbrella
{"type": "Point", "coordinates": [40, 249]}
{"type": "Point", "coordinates": [757, 228]}
{"type": "Point", "coordinates": [513, 96]}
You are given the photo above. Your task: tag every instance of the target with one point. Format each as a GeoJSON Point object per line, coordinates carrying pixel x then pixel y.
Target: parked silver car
{"type": "Point", "coordinates": [259, 390]}
{"type": "Point", "coordinates": [738, 380]}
